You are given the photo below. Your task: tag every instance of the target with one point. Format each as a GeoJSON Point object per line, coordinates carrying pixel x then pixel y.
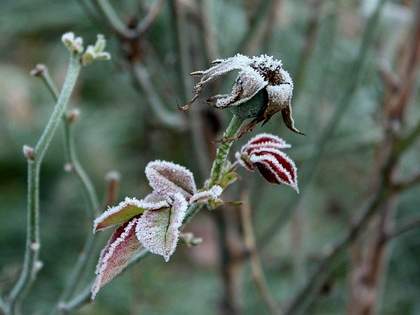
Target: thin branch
{"type": "Point", "coordinates": [406, 227]}
{"type": "Point", "coordinates": [144, 25]}
{"type": "Point", "coordinates": [311, 33]}
{"type": "Point", "coordinates": [409, 183]}
{"type": "Point", "coordinates": [75, 167]}
{"type": "Point", "coordinates": [114, 21]}
{"type": "Point", "coordinates": [315, 280]}
{"type": "Point", "coordinates": [30, 269]}
{"type": "Point", "coordinates": [142, 80]}
{"type": "Point", "coordinates": [3, 307]}
{"type": "Point", "coordinates": [195, 120]}
{"type": "Point", "coordinates": [256, 266]}
{"type": "Point", "coordinates": [257, 20]}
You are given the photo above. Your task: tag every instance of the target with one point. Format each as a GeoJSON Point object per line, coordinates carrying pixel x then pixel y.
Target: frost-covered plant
{"type": "Point", "coordinates": [261, 76]}
{"type": "Point", "coordinates": [153, 222]}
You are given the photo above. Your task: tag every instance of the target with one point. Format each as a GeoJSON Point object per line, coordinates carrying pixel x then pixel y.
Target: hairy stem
{"type": "Point", "coordinates": [30, 268]}
{"type": "Point", "coordinates": [88, 190]}
{"type": "Point", "coordinates": [223, 149]}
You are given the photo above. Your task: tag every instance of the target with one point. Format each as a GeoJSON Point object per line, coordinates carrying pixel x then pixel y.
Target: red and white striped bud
{"type": "Point", "coordinates": [263, 152]}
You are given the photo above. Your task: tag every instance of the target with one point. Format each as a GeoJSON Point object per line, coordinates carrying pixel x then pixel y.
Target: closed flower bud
{"type": "Point", "coordinates": [263, 153]}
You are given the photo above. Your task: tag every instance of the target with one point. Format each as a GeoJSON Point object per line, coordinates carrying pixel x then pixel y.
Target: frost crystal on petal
{"type": "Point", "coordinates": [204, 196]}
{"type": "Point", "coordinates": [263, 153]}
{"type": "Point", "coordinates": [116, 255]}
{"type": "Point", "coordinates": [167, 178]}
{"type": "Point", "coordinates": [247, 84]}
{"type": "Point", "coordinates": [158, 231]}
{"type": "Point", "coordinates": [126, 210]}
{"type": "Point", "coordinates": [275, 166]}
{"type": "Point", "coordinates": [220, 67]}
{"type": "Point", "coordinates": [265, 140]}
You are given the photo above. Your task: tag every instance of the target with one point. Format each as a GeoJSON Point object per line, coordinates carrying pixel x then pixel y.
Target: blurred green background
{"type": "Point", "coordinates": [118, 131]}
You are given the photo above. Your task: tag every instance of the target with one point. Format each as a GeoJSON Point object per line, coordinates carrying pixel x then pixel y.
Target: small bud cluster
{"type": "Point", "coordinates": [92, 53]}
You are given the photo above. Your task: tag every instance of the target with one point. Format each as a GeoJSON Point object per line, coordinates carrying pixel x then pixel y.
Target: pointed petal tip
{"type": "Point", "coordinates": [197, 73]}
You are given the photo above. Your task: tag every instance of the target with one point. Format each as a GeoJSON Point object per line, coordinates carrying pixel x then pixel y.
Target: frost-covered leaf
{"type": "Point", "coordinates": [124, 211]}
{"type": "Point", "coordinates": [116, 255]}
{"type": "Point", "coordinates": [167, 178]}
{"type": "Point", "coordinates": [228, 178]}
{"type": "Point", "coordinates": [206, 195]}
{"type": "Point", "coordinates": [158, 230]}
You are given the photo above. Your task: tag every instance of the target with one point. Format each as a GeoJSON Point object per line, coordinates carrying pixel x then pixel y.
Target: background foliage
{"type": "Point", "coordinates": [118, 131]}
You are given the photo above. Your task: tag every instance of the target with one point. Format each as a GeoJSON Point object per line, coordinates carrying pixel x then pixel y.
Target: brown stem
{"type": "Point", "coordinates": [256, 266]}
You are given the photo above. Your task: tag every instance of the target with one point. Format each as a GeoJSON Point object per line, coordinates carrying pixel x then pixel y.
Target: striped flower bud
{"type": "Point", "coordinates": [263, 153]}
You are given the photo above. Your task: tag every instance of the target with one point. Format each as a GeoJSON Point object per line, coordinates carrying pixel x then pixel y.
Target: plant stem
{"type": "Point", "coordinates": [223, 149]}
{"type": "Point", "coordinates": [114, 21]}
{"type": "Point", "coordinates": [168, 118]}
{"type": "Point", "coordinates": [30, 268]}
{"type": "Point", "coordinates": [88, 190]}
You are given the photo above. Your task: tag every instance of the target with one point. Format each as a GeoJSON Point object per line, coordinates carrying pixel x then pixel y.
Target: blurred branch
{"type": "Point", "coordinates": [402, 229]}
{"type": "Point", "coordinates": [311, 33]}
{"type": "Point", "coordinates": [114, 21]}
{"type": "Point", "coordinates": [207, 30]}
{"type": "Point", "coordinates": [256, 267]}
{"type": "Point", "coordinates": [142, 81]}
{"type": "Point", "coordinates": [391, 150]}
{"type": "Point", "coordinates": [328, 131]}
{"type": "Point", "coordinates": [256, 22]}
{"type": "Point", "coordinates": [315, 280]}
{"type": "Point", "coordinates": [139, 73]}
{"type": "Point", "coordinates": [144, 24]}
{"type": "Point", "coordinates": [271, 23]}
{"type": "Point", "coordinates": [73, 165]}
{"type": "Point", "coordinates": [35, 157]}
{"type": "Point", "coordinates": [195, 120]}
{"type": "Point", "coordinates": [3, 307]}
{"type": "Point", "coordinates": [402, 185]}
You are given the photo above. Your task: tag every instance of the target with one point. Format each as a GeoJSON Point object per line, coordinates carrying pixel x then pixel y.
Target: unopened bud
{"type": "Point", "coordinates": [113, 176]}
{"type": "Point", "coordinates": [68, 167]}
{"type": "Point", "coordinates": [35, 246]}
{"type": "Point", "coordinates": [73, 115]}
{"type": "Point", "coordinates": [96, 52]}
{"type": "Point", "coordinates": [38, 265]}
{"type": "Point", "coordinates": [28, 152]}
{"type": "Point", "coordinates": [74, 44]}
{"type": "Point", "coordinates": [38, 70]}
{"type": "Point", "coordinates": [190, 240]}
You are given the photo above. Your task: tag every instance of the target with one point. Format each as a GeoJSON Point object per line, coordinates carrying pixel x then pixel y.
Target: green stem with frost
{"type": "Point", "coordinates": [31, 262]}
{"type": "Point", "coordinates": [88, 190]}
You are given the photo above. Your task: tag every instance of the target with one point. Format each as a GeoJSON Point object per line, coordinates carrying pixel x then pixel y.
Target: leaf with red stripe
{"type": "Point", "coordinates": [122, 245]}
